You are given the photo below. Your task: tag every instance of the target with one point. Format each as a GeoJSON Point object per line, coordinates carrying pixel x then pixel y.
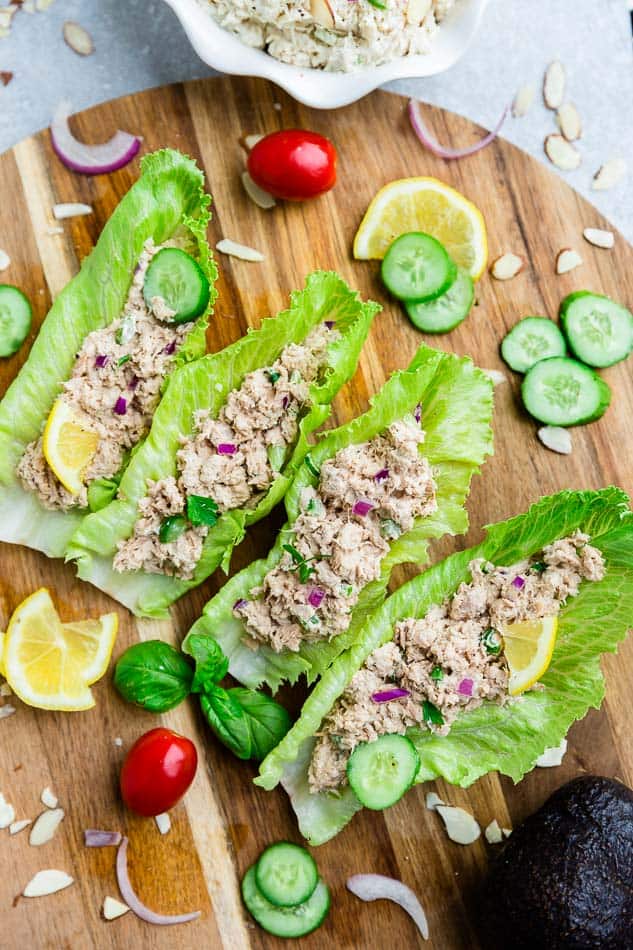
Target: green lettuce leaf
{"type": "Point", "coordinates": [167, 200]}
{"type": "Point", "coordinates": [506, 739]}
{"type": "Point", "coordinates": [456, 400]}
{"type": "Point", "coordinates": [205, 384]}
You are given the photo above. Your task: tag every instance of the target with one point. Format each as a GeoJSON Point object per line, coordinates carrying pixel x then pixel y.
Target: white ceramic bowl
{"type": "Point", "coordinates": [315, 87]}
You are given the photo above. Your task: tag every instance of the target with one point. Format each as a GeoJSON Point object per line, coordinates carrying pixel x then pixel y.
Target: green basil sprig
{"type": "Point", "coordinates": [153, 675]}
{"type": "Point", "coordinates": [249, 723]}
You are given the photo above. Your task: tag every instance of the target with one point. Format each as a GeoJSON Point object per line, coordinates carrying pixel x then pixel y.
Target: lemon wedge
{"type": "Point", "coordinates": [429, 205]}
{"type": "Point", "coordinates": [68, 446]}
{"type": "Point", "coordinates": [50, 664]}
{"type": "Point", "coordinates": [528, 648]}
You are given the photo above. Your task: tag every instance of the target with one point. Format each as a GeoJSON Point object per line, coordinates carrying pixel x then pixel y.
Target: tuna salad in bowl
{"type": "Point", "coordinates": [328, 53]}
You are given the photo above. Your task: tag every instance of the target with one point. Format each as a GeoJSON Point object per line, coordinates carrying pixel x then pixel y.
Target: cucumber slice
{"type": "Point", "coordinates": [15, 319]}
{"type": "Point", "coordinates": [180, 281]}
{"type": "Point", "coordinates": [286, 921]}
{"type": "Point", "coordinates": [599, 331]}
{"type": "Point", "coordinates": [531, 340]}
{"type": "Point", "coordinates": [562, 392]}
{"type": "Point", "coordinates": [417, 267]}
{"type": "Point", "coordinates": [286, 874]}
{"type": "Point", "coordinates": [380, 772]}
{"type": "Point", "coordinates": [445, 313]}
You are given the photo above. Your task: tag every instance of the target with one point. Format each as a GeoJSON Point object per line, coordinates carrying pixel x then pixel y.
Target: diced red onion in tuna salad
{"type": "Point", "coordinates": [448, 660]}
{"type": "Point", "coordinates": [137, 346]}
{"type": "Point", "coordinates": [228, 458]}
{"type": "Point", "coordinates": [339, 542]}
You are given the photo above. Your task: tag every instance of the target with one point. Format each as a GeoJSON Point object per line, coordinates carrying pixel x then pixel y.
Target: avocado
{"type": "Point", "coordinates": [564, 880]}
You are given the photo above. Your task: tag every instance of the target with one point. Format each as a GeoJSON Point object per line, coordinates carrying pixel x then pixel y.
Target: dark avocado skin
{"type": "Point", "coordinates": [564, 880]}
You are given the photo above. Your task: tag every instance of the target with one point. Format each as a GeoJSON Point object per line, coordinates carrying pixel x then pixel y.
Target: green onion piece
{"type": "Point", "coordinates": [172, 528]}
{"type": "Point", "coordinates": [539, 566]}
{"type": "Point", "coordinates": [273, 375]}
{"type": "Point", "coordinates": [311, 466]}
{"type": "Point", "coordinates": [379, 4]}
{"type": "Point", "coordinates": [123, 359]}
{"type": "Point", "coordinates": [432, 714]}
{"type": "Point", "coordinates": [437, 673]}
{"type": "Point", "coordinates": [491, 641]}
{"type": "Point", "coordinates": [202, 510]}
{"type": "Point", "coordinates": [296, 556]}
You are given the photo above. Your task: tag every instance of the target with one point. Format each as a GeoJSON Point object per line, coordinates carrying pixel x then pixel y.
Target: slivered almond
{"type": "Point", "coordinates": [17, 826]}
{"type": "Point", "coordinates": [523, 100]}
{"type": "Point", "coordinates": [554, 85]}
{"type": "Point", "coordinates": [249, 142]}
{"type": "Point", "coordinates": [7, 813]}
{"type": "Point", "coordinates": [496, 376]}
{"type": "Point", "coordinates": [493, 833]}
{"type": "Point", "coordinates": [567, 259]}
{"type": "Point", "coordinates": [70, 209]}
{"type": "Point", "coordinates": [5, 260]}
{"type": "Point", "coordinates": [78, 38]}
{"type": "Point", "coordinates": [417, 10]}
{"type": "Point", "coordinates": [113, 908]}
{"type": "Point", "coordinates": [433, 800]}
{"type": "Point", "coordinates": [599, 238]}
{"type": "Point", "coordinates": [507, 266]}
{"type": "Point", "coordinates": [569, 122]}
{"type": "Point", "coordinates": [48, 798]}
{"type": "Point", "coordinates": [46, 826]}
{"type": "Point", "coordinates": [257, 195]}
{"type": "Point", "coordinates": [6, 711]}
{"type": "Point", "coordinates": [163, 823]}
{"type": "Point", "coordinates": [244, 253]}
{"type": "Point", "coordinates": [322, 13]}
{"type": "Point", "coordinates": [47, 882]}
{"type": "Point", "coordinates": [562, 153]}
{"type": "Point", "coordinates": [552, 757]}
{"type": "Point", "coordinates": [609, 174]}
{"type": "Point", "coordinates": [555, 438]}
{"type": "Point", "coordinates": [460, 825]}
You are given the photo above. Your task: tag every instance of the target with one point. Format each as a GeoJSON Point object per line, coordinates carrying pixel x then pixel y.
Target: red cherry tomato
{"type": "Point", "coordinates": [293, 164]}
{"type": "Point", "coordinates": [158, 770]}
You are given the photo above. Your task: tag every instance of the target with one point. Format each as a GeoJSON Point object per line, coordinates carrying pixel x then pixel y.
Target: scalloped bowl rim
{"type": "Point", "coordinates": [318, 88]}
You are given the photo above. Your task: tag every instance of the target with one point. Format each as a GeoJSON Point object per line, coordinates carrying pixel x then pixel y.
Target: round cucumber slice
{"type": "Point", "coordinates": [563, 392]}
{"type": "Point", "coordinates": [286, 921]}
{"type": "Point", "coordinates": [380, 772]}
{"type": "Point", "coordinates": [286, 874]}
{"type": "Point", "coordinates": [447, 311]}
{"type": "Point", "coordinates": [179, 280]}
{"type": "Point", "coordinates": [599, 331]}
{"type": "Point", "coordinates": [531, 340]}
{"type": "Point", "coordinates": [15, 319]}
{"type": "Point", "coordinates": [417, 267]}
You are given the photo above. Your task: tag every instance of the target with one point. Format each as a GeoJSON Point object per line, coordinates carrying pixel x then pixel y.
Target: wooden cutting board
{"type": "Point", "coordinates": [225, 821]}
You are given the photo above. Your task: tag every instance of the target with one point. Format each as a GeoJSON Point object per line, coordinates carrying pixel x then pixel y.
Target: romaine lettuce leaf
{"type": "Point", "coordinates": [456, 400]}
{"type": "Point", "coordinates": [205, 384]}
{"type": "Point", "coordinates": [168, 199]}
{"type": "Point", "coordinates": [507, 739]}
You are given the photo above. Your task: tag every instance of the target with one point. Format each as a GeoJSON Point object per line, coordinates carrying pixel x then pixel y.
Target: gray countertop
{"type": "Point", "coordinates": [140, 44]}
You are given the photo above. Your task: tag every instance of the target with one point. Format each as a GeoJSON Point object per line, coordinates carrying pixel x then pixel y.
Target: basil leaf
{"type": "Point", "coordinates": [153, 675]}
{"type": "Point", "coordinates": [202, 511]}
{"type": "Point", "coordinates": [211, 663]}
{"type": "Point", "coordinates": [268, 721]}
{"type": "Point", "coordinates": [227, 720]}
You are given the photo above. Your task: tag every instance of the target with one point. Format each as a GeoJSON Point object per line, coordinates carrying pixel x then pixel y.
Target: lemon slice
{"type": "Point", "coordinates": [51, 665]}
{"type": "Point", "coordinates": [429, 205]}
{"type": "Point", "coordinates": [68, 446]}
{"type": "Point", "coordinates": [528, 648]}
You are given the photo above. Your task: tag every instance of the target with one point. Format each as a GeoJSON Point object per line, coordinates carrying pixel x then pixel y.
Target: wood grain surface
{"type": "Point", "coordinates": [225, 821]}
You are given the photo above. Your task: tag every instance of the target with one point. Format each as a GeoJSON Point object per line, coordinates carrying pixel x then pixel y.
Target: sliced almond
{"type": "Point", "coordinates": [163, 823]}
{"type": "Point", "coordinates": [417, 10]}
{"type": "Point", "coordinates": [496, 376]}
{"type": "Point", "coordinates": [78, 38]}
{"type": "Point", "coordinates": [493, 833]}
{"type": "Point", "coordinates": [523, 100]}
{"type": "Point", "coordinates": [113, 908]}
{"type": "Point", "coordinates": [48, 798]}
{"type": "Point", "coordinates": [250, 141]}
{"type": "Point", "coordinates": [554, 85]}
{"type": "Point", "coordinates": [609, 174]}
{"type": "Point", "coordinates": [506, 832]}
{"type": "Point", "coordinates": [562, 153]}
{"type": "Point", "coordinates": [568, 121]}
{"type": "Point", "coordinates": [17, 826]}
{"type": "Point", "coordinates": [322, 13]}
{"type": "Point", "coordinates": [460, 824]}
{"type": "Point", "coordinates": [552, 757]}
{"type": "Point", "coordinates": [5, 260]}
{"type": "Point", "coordinates": [7, 813]}
{"type": "Point", "coordinates": [567, 259]}
{"type": "Point", "coordinates": [507, 266]}
{"type": "Point", "coordinates": [6, 711]}
{"type": "Point", "coordinates": [46, 826]}
{"type": "Point", "coordinates": [433, 800]}
{"type": "Point", "coordinates": [233, 249]}
{"type": "Point", "coordinates": [70, 209]}
{"type": "Point", "coordinates": [556, 438]}
{"type": "Point", "coordinates": [47, 882]}
{"type": "Point", "coordinates": [599, 238]}
{"type": "Point", "coordinates": [260, 197]}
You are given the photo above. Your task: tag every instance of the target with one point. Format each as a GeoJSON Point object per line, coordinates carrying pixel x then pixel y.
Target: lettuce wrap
{"type": "Point", "coordinates": [456, 400]}
{"type": "Point", "coordinates": [167, 200]}
{"type": "Point", "coordinates": [205, 385]}
{"type": "Point", "coordinates": [509, 738]}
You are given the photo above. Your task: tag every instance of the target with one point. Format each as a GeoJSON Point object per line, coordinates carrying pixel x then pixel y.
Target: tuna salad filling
{"type": "Point", "coordinates": [336, 35]}
{"type": "Point", "coordinates": [229, 462]}
{"type": "Point", "coordinates": [452, 660]}
{"type": "Point", "coordinates": [114, 389]}
{"type": "Point", "coordinates": [367, 494]}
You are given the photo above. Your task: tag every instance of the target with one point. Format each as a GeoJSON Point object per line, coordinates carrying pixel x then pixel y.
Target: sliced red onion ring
{"type": "Point", "coordinates": [465, 688]}
{"type": "Point", "coordinates": [417, 414]}
{"type": "Point", "coordinates": [239, 604]}
{"type": "Point", "coordinates": [518, 582]}
{"type": "Point", "coordinates": [375, 887]}
{"type": "Point", "coordinates": [133, 383]}
{"type": "Point", "coordinates": [101, 361]}
{"type": "Point", "coordinates": [120, 406]}
{"type": "Point", "coordinates": [135, 905]}
{"type": "Point", "coordinates": [226, 448]}
{"type": "Point", "coordinates": [170, 349]}
{"type": "Point", "coordinates": [94, 838]}
{"type": "Point", "coordinates": [315, 597]}
{"type": "Point", "coordinates": [330, 324]}
{"type": "Point", "coordinates": [386, 695]}
{"type": "Point", "coordinates": [362, 508]}
{"type": "Point", "coordinates": [427, 139]}
{"type": "Point", "coordinates": [90, 159]}
{"type": "Point", "coordinates": [381, 475]}
{"type": "Point", "coordinates": [285, 401]}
